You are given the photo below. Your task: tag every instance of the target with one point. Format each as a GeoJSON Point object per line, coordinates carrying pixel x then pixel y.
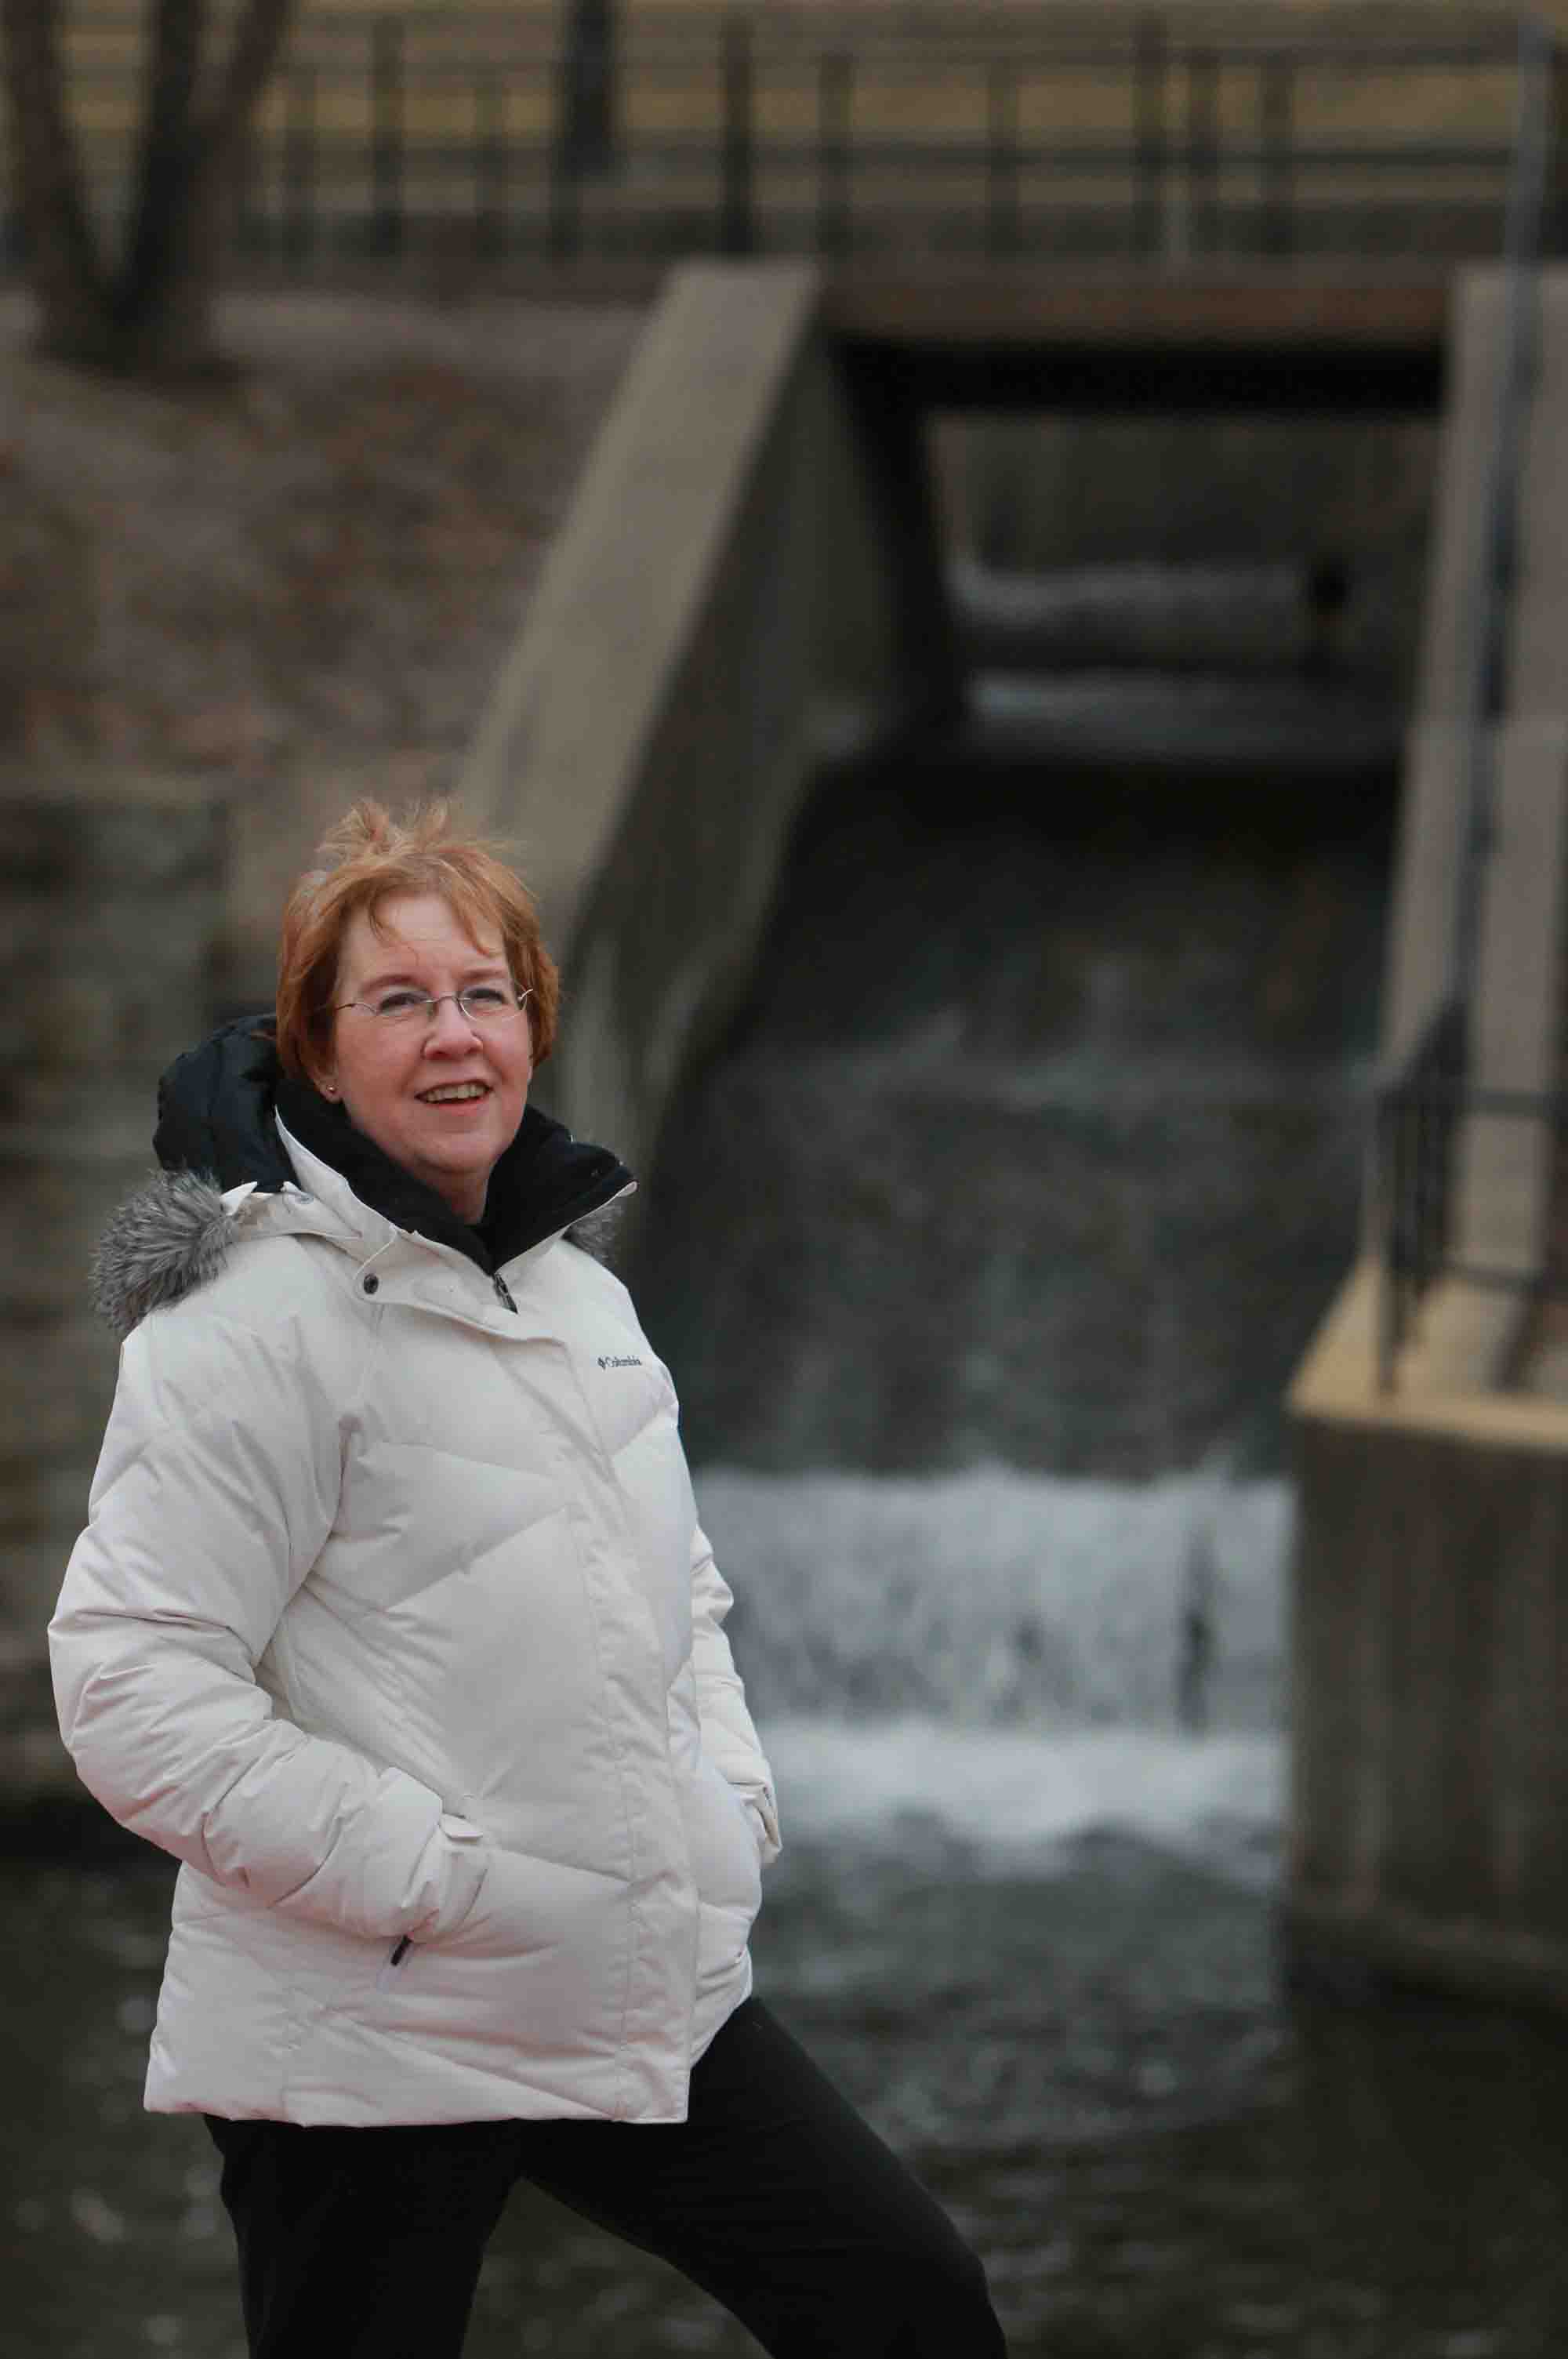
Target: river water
{"type": "Point", "coordinates": [1044, 1967]}
{"type": "Point", "coordinates": [981, 1252]}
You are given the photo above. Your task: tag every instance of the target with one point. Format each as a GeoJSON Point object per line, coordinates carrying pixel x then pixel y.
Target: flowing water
{"type": "Point", "coordinates": [1040, 1139]}
{"type": "Point", "coordinates": [981, 1253]}
{"type": "Point", "coordinates": [1024, 1916]}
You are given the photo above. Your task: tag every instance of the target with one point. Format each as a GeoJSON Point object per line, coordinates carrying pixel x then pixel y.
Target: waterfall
{"type": "Point", "coordinates": [1041, 1140]}
{"type": "Point", "coordinates": [983, 1252]}
{"type": "Point", "coordinates": [1017, 1659]}
{"type": "Point", "coordinates": [995, 1599]}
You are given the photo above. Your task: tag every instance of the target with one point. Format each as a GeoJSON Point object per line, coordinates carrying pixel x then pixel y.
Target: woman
{"type": "Point", "coordinates": [393, 1621]}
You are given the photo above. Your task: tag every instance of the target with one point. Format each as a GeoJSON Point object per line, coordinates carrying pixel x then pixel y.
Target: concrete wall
{"type": "Point", "coordinates": [1429, 1662]}
{"type": "Point", "coordinates": [1468, 1335]}
{"type": "Point", "coordinates": [1422, 924]}
{"type": "Point", "coordinates": [717, 617]}
{"type": "Point", "coordinates": [110, 905]}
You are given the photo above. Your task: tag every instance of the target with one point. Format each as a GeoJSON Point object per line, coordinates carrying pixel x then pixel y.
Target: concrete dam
{"type": "Point", "coordinates": [808, 649]}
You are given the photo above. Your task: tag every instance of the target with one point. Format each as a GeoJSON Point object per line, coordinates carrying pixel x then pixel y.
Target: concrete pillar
{"type": "Point", "coordinates": [1429, 1770]}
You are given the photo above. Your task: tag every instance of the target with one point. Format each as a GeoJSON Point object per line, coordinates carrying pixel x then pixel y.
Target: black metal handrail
{"type": "Point", "coordinates": [1341, 22]}
{"type": "Point", "coordinates": [1415, 1115]}
{"type": "Point", "coordinates": [1168, 133]}
{"type": "Point", "coordinates": [1418, 1123]}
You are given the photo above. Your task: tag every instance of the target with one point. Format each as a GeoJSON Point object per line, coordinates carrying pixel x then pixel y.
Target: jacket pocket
{"type": "Point", "coordinates": [727, 1850]}
{"type": "Point", "coordinates": [527, 1904]}
{"type": "Point", "coordinates": [525, 1907]}
{"type": "Point", "coordinates": [470, 1867]}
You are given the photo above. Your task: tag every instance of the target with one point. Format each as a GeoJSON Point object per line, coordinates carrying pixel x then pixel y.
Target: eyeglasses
{"type": "Point", "coordinates": [484, 1003]}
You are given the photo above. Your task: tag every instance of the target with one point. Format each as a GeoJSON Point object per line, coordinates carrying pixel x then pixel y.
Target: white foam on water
{"type": "Point", "coordinates": [994, 1598]}
{"type": "Point", "coordinates": [1006, 1655]}
{"type": "Point", "coordinates": [1023, 1799]}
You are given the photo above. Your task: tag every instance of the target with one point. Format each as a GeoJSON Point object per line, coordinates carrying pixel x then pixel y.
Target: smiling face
{"type": "Point", "coordinates": [443, 1098]}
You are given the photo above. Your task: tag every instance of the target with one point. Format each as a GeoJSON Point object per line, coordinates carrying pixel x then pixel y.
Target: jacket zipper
{"type": "Point", "coordinates": [504, 1291]}
{"type": "Point", "coordinates": [387, 1975]}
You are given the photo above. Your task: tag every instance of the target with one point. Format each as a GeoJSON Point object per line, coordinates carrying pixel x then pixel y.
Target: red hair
{"type": "Point", "coordinates": [362, 861]}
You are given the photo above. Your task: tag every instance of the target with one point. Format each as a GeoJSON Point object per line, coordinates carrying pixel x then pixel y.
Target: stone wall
{"type": "Point", "coordinates": [111, 901]}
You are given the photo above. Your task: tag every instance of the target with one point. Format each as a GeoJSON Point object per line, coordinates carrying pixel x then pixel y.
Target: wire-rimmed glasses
{"type": "Point", "coordinates": [483, 1004]}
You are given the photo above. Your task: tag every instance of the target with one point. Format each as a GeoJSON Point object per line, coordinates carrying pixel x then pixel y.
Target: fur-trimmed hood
{"type": "Point", "coordinates": [174, 1235]}
{"type": "Point", "coordinates": [231, 1128]}
{"type": "Point", "coordinates": [160, 1244]}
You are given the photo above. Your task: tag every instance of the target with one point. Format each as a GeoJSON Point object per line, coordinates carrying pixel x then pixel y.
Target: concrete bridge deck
{"type": "Point", "coordinates": [1244, 338]}
{"type": "Point", "coordinates": [1063, 335]}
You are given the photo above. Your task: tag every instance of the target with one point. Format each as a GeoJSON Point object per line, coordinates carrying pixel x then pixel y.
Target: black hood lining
{"type": "Point", "coordinates": [219, 1106]}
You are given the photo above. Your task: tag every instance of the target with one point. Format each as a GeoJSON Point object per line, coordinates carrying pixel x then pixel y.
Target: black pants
{"type": "Point", "coordinates": [774, 2195]}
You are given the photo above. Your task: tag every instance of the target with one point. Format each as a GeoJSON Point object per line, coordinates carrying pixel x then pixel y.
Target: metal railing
{"type": "Point", "coordinates": [1415, 1126]}
{"type": "Point", "coordinates": [1421, 1121]}
{"type": "Point", "coordinates": [1420, 1109]}
{"type": "Point", "coordinates": [1165, 133]}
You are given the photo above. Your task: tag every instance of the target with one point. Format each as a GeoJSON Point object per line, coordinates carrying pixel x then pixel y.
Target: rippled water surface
{"type": "Point", "coordinates": [1154, 2151]}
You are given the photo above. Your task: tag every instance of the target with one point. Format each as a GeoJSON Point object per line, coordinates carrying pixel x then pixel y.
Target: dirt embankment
{"type": "Point", "coordinates": [299, 581]}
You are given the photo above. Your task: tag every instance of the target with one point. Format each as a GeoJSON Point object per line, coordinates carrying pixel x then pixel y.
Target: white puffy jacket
{"type": "Point", "coordinates": [393, 1621]}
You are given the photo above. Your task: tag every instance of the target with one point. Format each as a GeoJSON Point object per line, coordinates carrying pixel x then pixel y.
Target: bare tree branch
{"type": "Point", "coordinates": [257, 45]}
{"type": "Point", "coordinates": [62, 257]}
{"type": "Point", "coordinates": [155, 309]}
{"type": "Point", "coordinates": [168, 160]}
